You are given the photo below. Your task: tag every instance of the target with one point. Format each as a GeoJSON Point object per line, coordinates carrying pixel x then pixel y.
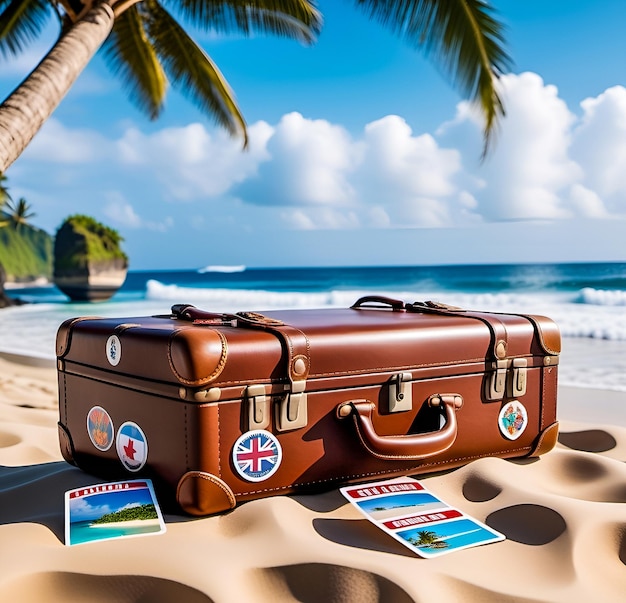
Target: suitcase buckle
{"type": "Point", "coordinates": [400, 393]}
{"type": "Point", "coordinates": [495, 386]}
{"type": "Point", "coordinates": [517, 383]}
{"type": "Point", "coordinates": [258, 407]}
{"type": "Point", "coordinates": [503, 381]}
{"type": "Point", "coordinates": [291, 413]}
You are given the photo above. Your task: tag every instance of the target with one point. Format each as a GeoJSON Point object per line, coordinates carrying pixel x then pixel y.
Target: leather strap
{"type": "Point", "coordinates": [499, 335]}
{"type": "Point", "coordinates": [295, 342]}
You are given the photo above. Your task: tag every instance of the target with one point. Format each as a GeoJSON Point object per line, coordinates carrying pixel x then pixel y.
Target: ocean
{"type": "Point", "coordinates": [587, 301]}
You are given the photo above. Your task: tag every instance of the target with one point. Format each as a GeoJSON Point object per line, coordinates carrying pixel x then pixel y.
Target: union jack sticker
{"type": "Point", "coordinates": [257, 455]}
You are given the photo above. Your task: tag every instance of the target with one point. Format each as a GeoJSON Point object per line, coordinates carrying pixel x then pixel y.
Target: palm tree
{"type": "Point", "coordinates": [148, 48]}
{"type": "Point", "coordinates": [4, 191]}
{"type": "Point", "coordinates": [4, 198]}
{"type": "Point", "coordinates": [20, 213]}
{"type": "Point", "coordinates": [144, 44]}
{"type": "Point", "coordinates": [425, 538]}
{"type": "Point", "coordinates": [463, 37]}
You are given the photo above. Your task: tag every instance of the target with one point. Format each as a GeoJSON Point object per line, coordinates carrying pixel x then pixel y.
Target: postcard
{"type": "Point", "coordinates": [417, 518]}
{"type": "Point", "coordinates": [112, 510]}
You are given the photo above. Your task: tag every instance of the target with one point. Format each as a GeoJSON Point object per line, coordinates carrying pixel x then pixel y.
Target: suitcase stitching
{"type": "Point", "coordinates": [218, 369]}
{"type": "Point", "coordinates": [543, 398]}
{"type": "Point", "coordinates": [64, 398]}
{"type": "Point", "coordinates": [219, 444]}
{"type": "Point", "coordinates": [398, 368]}
{"type": "Point", "coordinates": [378, 369]}
{"type": "Point", "coordinates": [186, 439]}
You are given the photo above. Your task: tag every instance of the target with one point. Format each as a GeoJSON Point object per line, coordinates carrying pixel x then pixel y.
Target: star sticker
{"type": "Point", "coordinates": [129, 450]}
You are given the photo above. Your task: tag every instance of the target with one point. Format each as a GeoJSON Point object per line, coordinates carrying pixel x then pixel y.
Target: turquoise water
{"type": "Point", "coordinates": [81, 532]}
{"type": "Point", "coordinates": [587, 301]}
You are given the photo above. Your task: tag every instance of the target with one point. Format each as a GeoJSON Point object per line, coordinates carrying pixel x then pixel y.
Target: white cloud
{"type": "Point", "coordinates": [325, 218]}
{"type": "Point", "coordinates": [412, 165]}
{"type": "Point", "coordinates": [310, 174]}
{"type": "Point", "coordinates": [386, 177]}
{"type": "Point", "coordinates": [529, 169]}
{"type": "Point", "coordinates": [311, 161]}
{"type": "Point", "coordinates": [82, 510]}
{"type": "Point", "coordinates": [410, 177]}
{"type": "Point", "coordinates": [599, 146]}
{"type": "Point", "coordinates": [191, 162]}
{"type": "Point", "coordinates": [122, 213]}
{"type": "Point", "coordinates": [59, 144]}
{"type": "Point", "coordinates": [587, 202]}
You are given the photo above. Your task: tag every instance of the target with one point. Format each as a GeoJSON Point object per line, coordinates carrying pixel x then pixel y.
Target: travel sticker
{"type": "Point", "coordinates": [100, 428]}
{"type": "Point", "coordinates": [421, 521]}
{"type": "Point", "coordinates": [257, 455]}
{"type": "Point", "coordinates": [132, 446]}
{"type": "Point", "coordinates": [114, 350]}
{"type": "Point", "coordinates": [512, 420]}
{"type": "Point", "coordinates": [112, 510]}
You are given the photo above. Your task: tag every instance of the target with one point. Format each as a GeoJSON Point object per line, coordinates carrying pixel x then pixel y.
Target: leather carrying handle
{"type": "Point", "coordinates": [379, 302]}
{"type": "Point", "coordinates": [195, 315]}
{"type": "Point", "coordinates": [409, 447]}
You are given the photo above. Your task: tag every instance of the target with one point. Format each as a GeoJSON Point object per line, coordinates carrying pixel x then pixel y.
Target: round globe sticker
{"type": "Point", "coordinates": [257, 455]}
{"type": "Point", "coordinates": [100, 428]}
{"type": "Point", "coordinates": [513, 420]}
{"type": "Point", "coordinates": [132, 446]}
{"type": "Point", "coordinates": [114, 350]}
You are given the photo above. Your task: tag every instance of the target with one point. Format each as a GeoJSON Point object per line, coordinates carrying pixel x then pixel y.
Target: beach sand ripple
{"type": "Point", "coordinates": [564, 516]}
{"type": "Point", "coordinates": [61, 587]}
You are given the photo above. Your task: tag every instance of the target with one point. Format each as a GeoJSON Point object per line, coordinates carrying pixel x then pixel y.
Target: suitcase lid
{"type": "Point", "coordinates": [295, 348]}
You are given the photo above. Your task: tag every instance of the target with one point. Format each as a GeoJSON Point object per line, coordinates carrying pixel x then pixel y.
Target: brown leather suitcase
{"type": "Point", "coordinates": [219, 409]}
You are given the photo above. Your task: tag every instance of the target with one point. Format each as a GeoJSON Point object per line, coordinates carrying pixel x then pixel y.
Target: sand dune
{"type": "Point", "coordinates": [564, 516]}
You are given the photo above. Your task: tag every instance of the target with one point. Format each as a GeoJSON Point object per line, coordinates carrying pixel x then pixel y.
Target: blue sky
{"type": "Point", "coordinates": [361, 153]}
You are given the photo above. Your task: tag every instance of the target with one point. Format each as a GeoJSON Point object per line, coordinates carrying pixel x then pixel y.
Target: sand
{"type": "Point", "coordinates": [564, 516]}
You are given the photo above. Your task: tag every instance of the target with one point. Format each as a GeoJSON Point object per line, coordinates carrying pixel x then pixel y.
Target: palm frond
{"type": "Point", "coordinates": [462, 36]}
{"type": "Point", "coordinates": [20, 212]}
{"type": "Point", "coordinates": [189, 67]}
{"type": "Point", "coordinates": [21, 22]}
{"type": "Point", "coordinates": [298, 19]}
{"type": "Point", "coordinates": [131, 55]}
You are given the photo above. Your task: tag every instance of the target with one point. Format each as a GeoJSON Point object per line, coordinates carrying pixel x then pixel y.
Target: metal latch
{"type": "Point", "coordinates": [495, 385]}
{"type": "Point", "coordinates": [400, 393]}
{"type": "Point", "coordinates": [291, 413]}
{"type": "Point", "coordinates": [517, 379]}
{"type": "Point", "coordinates": [258, 407]}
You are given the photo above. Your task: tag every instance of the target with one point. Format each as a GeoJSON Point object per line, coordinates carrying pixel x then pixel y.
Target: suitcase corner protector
{"type": "Point", "coordinates": [546, 440]}
{"type": "Point", "coordinates": [200, 493]}
{"type": "Point", "coordinates": [65, 443]}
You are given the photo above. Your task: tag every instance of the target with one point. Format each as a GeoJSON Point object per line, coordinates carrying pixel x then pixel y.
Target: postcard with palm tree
{"type": "Point", "coordinates": [417, 518]}
{"type": "Point", "coordinates": [112, 510]}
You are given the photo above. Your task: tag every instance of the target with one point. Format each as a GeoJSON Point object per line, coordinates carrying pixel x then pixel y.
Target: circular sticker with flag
{"type": "Point", "coordinates": [257, 455]}
{"type": "Point", "coordinates": [132, 446]}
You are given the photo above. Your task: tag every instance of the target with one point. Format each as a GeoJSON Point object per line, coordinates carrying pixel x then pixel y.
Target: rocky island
{"type": "Point", "coordinates": [89, 264]}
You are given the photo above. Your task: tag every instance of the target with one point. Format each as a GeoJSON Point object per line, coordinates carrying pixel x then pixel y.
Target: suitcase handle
{"type": "Point", "coordinates": [409, 447]}
{"type": "Point", "coordinates": [378, 300]}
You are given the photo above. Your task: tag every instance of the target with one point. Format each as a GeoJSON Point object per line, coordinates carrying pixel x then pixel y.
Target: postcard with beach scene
{"type": "Point", "coordinates": [404, 509]}
{"type": "Point", "coordinates": [112, 510]}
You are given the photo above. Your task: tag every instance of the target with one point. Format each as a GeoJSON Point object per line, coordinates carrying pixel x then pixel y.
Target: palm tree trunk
{"type": "Point", "coordinates": [28, 107]}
